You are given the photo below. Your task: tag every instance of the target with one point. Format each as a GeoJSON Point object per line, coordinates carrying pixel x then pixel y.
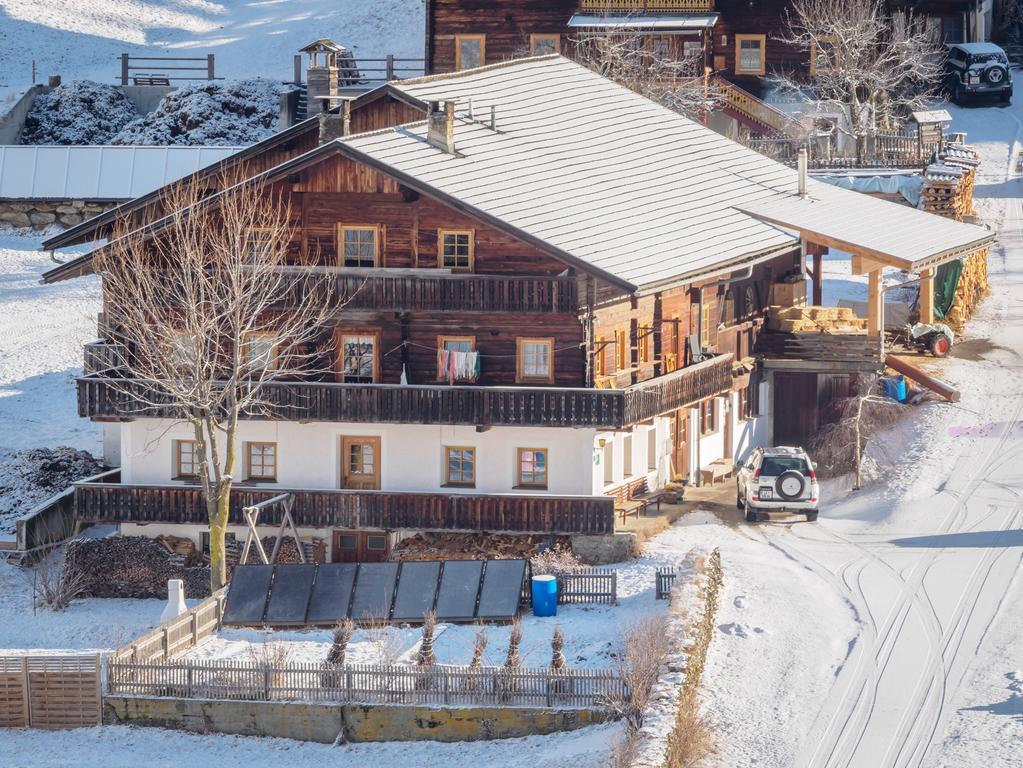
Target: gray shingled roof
{"type": "Point", "coordinates": [617, 181]}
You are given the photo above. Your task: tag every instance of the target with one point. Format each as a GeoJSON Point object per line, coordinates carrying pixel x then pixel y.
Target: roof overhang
{"type": "Point", "coordinates": [892, 235]}
{"type": "Point", "coordinates": [659, 22]}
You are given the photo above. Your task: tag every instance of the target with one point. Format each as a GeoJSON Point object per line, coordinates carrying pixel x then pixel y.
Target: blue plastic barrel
{"type": "Point", "coordinates": [545, 596]}
{"type": "Point", "coordinates": [894, 387]}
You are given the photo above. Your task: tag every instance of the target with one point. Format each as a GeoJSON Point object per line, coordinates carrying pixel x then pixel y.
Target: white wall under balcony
{"type": "Point", "coordinates": [309, 455]}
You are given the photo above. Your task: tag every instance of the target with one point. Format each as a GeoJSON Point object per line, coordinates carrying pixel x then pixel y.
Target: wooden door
{"type": "Point", "coordinates": [360, 547]}
{"type": "Point", "coordinates": [795, 407]}
{"type": "Point", "coordinates": [360, 463]}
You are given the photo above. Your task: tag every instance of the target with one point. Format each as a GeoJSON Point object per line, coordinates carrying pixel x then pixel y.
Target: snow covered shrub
{"type": "Point", "coordinates": [78, 112]}
{"type": "Point", "coordinates": [233, 112]}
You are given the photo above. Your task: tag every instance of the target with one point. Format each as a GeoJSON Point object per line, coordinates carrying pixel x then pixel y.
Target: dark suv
{"type": "Point", "coordinates": [977, 69]}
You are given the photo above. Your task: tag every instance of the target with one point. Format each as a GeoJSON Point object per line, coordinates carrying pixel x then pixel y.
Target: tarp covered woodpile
{"type": "Point", "coordinates": [948, 191]}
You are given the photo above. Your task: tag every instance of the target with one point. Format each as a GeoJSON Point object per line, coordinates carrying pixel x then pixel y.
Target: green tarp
{"type": "Point", "coordinates": [946, 278]}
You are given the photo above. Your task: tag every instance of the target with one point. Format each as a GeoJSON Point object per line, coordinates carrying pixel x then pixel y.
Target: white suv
{"type": "Point", "coordinates": [777, 480]}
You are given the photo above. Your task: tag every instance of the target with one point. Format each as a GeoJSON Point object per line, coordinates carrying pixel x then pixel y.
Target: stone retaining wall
{"type": "Point", "coordinates": [323, 722]}
{"type": "Point", "coordinates": [41, 214]}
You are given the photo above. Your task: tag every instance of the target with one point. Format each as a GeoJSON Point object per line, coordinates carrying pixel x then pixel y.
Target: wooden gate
{"type": "Point", "coordinates": [50, 691]}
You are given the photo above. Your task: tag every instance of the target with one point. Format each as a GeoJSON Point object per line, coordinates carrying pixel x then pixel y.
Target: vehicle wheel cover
{"type": "Point", "coordinates": [790, 485]}
{"type": "Point", "coordinates": [995, 75]}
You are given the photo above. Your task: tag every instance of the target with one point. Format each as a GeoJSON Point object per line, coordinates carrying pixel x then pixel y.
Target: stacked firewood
{"type": "Point", "coordinates": [973, 286]}
{"type": "Point", "coordinates": [470, 546]}
{"type": "Point", "coordinates": [131, 566]}
{"type": "Point", "coordinates": [315, 551]}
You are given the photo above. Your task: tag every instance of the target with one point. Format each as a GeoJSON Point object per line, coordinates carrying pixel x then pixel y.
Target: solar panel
{"type": "Point", "coordinates": [246, 597]}
{"type": "Point", "coordinates": [332, 593]}
{"type": "Point", "coordinates": [456, 598]}
{"type": "Point", "coordinates": [374, 589]}
{"type": "Point", "coordinates": [502, 589]}
{"type": "Point", "coordinates": [417, 586]}
{"type": "Point", "coordinates": [289, 597]}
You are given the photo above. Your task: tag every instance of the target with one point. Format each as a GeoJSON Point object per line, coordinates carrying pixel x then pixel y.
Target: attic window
{"type": "Point", "coordinates": [544, 45]}
{"type": "Point", "coordinates": [470, 51]}
{"type": "Point", "coordinates": [360, 246]}
{"type": "Point", "coordinates": [456, 249]}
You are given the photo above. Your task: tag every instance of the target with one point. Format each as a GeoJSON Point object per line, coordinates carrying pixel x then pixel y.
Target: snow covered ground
{"type": "Point", "coordinates": [82, 39]}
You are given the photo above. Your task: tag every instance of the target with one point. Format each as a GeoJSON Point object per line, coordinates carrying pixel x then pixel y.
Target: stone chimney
{"type": "Point", "coordinates": [332, 126]}
{"type": "Point", "coordinates": [440, 130]}
{"type": "Point", "coordinates": [321, 75]}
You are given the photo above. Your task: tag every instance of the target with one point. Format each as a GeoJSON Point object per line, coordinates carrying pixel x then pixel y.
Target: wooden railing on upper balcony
{"type": "Point", "coordinates": [413, 291]}
{"type": "Point", "coordinates": [757, 111]}
{"type": "Point", "coordinates": [117, 503]}
{"type": "Point", "coordinates": [635, 6]}
{"type": "Point", "coordinates": [853, 350]}
{"type": "Point", "coordinates": [106, 397]}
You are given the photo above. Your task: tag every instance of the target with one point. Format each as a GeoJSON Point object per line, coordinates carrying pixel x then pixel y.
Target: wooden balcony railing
{"type": "Point", "coordinates": [639, 6]}
{"type": "Point", "coordinates": [103, 358]}
{"type": "Point", "coordinates": [441, 293]}
{"type": "Point", "coordinates": [114, 398]}
{"type": "Point", "coordinates": [387, 510]}
{"type": "Point", "coordinates": [855, 350]}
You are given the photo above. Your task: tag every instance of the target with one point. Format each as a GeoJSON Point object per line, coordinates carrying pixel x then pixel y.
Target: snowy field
{"type": "Point", "coordinates": [82, 39]}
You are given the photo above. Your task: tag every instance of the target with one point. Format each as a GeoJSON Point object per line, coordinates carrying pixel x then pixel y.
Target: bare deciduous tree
{"type": "Point", "coordinates": [872, 65]}
{"type": "Point", "coordinates": [651, 69]}
{"type": "Point", "coordinates": [206, 309]}
{"type": "Point", "coordinates": [838, 447]}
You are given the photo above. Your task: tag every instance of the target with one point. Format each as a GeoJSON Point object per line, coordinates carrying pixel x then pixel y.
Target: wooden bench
{"type": "Point", "coordinates": [718, 469]}
{"type": "Point", "coordinates": [634, 498]}
{"type": "Point", "coordinates": [150, 80]}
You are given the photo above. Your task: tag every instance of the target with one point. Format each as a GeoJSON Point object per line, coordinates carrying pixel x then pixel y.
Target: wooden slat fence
{"type": "Point", "coordinates": [664, 579]}
{"type": "Point", "coordinates": [595, 585]}
{"type": "Point", "coordinates": [364, 683]}
{"type": "Point", "coordinates": [50, 692]}
{"type": "Point", "coordinates": [176, 635]}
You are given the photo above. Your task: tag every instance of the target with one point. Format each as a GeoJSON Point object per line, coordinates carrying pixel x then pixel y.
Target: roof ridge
{"type": "Point", "coordinates": [466, 72]}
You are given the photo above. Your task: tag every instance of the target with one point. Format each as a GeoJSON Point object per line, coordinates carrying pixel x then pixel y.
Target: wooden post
{"type": "Point", "coordinates": [875, 303]}
{"type": "Point", "coordinates": [209, 66]}
{"type": "Point", "coordinates": [124, 69]}
{"type": "Point", "coordinates": [298, 69]}
{"type": "Point", "coordinates": [390, 67]}
{"type": "Point", "coordinates": [926, 295]}
{"type": "Point", "coordinates": [818, 284]}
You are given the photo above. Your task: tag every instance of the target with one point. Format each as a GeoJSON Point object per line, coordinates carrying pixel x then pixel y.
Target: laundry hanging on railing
{"type": "Point", "coordinates": [458, 366]}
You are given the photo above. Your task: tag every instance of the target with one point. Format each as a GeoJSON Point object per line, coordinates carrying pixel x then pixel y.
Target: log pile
{"type": "Point", "coordinates": [948, 191]}
{"type": "Point", "coordinates": [315, 551]}
{"type": "Point", "coordinates": [131, 566]}
{"type": "Point", "coordinates": [470, 546]}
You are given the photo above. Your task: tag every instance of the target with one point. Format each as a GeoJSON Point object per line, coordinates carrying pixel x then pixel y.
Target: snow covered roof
{"type": "Point", "coordinates": [97, 172]}
{"type": "Point", "coordinates": [623, 184]}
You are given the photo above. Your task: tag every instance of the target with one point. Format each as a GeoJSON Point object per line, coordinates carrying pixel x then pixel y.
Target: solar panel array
{"type": "Point", "coordinates": [310, 594]}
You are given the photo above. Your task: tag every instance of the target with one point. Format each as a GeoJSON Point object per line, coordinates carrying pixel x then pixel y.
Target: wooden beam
{"type": "Point", "coordinates": [862, 264]}
{"type": "Point", "coordinates": [875, 304]}
{"type": "Point", "coordinates": [906, 368]}
{"type": "Point", "coordinates": [926, 295]}
{"type": "Point", "coordinates": [818, 285]}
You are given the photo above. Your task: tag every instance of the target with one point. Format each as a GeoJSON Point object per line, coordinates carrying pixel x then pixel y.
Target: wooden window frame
{"type": "Point", "coordinates": [813, 55]}
{"type": "Point", "coordinates": [705, 323]}
{"type": "Point", "coordinates": [708, 416]}
{"type": "Point", "coordinates": [339, 336]}
{"type": "Point", "coordinates": [458, 50]}
{"type": "Point", "coordinates": [471, 233]}
{"type": "Point", "coordinates": [275, 357]}
{"type": "Point", "coordinates": [546, 469]}
{"type": "Point", "coordinates": [249, 445]}
{"type": "Point", "coordinates": [739, 40]}
{"type": "Point", "coordinates": [544, 36]}
{"type": "Point", "coordinates": [448, 482]}
{"type": "Point", "coordinates": [248, 235]}
{"type": "Point", "coordinates": [178, 473]}
{"type": "Point", "coordinates": [600, 357]}
{"type": "Point", "coordinates": [621, 351]}
{"type": "Point", "coordinates": [644, 334]}
{"type": "Point", "coordinates": [520, 360]}
{"type": "Point", "coordinates": [440, 346]}
{"type": "Point", "coordinates": [377, 233]}
{"type": "Point", "coordinates": [376, 441]}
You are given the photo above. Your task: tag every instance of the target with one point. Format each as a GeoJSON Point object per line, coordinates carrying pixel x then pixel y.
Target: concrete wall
{"type": "Point", "coordinates": [412, 455]}
{"type": "Point", "coordinates": [323, 722]}
{"type": "Point", "coordinates": [11, 122]}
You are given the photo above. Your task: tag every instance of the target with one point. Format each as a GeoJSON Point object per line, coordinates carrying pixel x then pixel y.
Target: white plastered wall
{"type": "Point", "coordinates": [412, 455]}
{"type": "Point", "coordinates": [614, 447]}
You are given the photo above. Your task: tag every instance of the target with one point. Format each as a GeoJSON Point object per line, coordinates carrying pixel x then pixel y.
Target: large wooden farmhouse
{"type": "Point", "coordinates": [558, 292]}
{"type": "Point", "coordinates": [736, 38]}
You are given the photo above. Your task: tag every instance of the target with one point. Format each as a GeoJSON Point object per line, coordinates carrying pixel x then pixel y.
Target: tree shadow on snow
{"type": "Point", "coordinates": [967, 540]}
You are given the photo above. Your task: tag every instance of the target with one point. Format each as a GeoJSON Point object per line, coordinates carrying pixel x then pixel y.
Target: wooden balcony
{"type": "Point", "coordinates": [412, 291]}
{"type": "Point", "coordinates": [832, 351]}
{"type": "Point", "coordinates": [114, 398]}
{"type": "Point", "coordinates": [385, 510]}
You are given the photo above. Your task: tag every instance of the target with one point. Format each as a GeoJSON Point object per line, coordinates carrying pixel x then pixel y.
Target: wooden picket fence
{"type": "Point", "coordinates": [365, 683]}
{"type": "Point", "coordinates": [664, 580]}
{"type": "Point", "coordinates": [50, 692]}
{"type": "Point", "coordinates": [176, 635]}
{"type": "Point", "coordinates": [595, 585]}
